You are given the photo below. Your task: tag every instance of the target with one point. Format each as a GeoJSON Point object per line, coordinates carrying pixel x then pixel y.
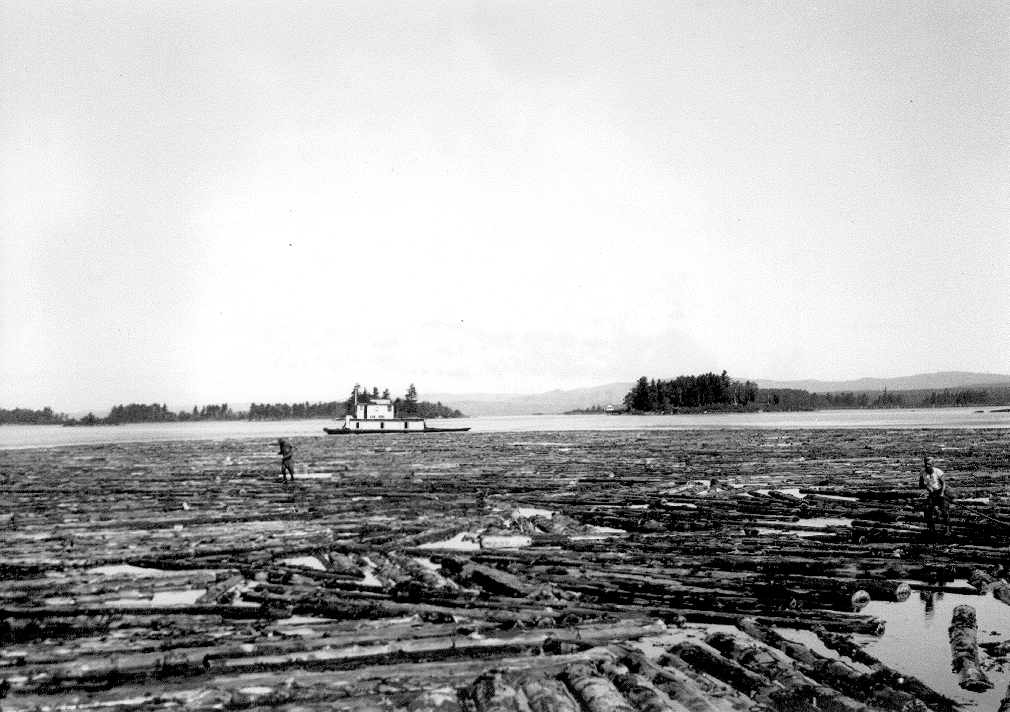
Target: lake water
{"type": "Point", "coordinates": [21, 436]}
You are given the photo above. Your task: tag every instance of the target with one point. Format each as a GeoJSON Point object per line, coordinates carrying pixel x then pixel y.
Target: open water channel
{"type": "Point", "coordinates": [21, 436]}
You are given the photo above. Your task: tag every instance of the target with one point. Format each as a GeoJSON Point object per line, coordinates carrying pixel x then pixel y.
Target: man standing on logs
{"type": "Point", "coordinates": [932, 480]}
{"type": "Point", "coordinates": [287, 454]}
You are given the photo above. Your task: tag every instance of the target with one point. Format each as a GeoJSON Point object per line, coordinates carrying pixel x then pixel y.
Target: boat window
{"type": "Point", "coordinates": [405, 425]}
{"type": "Point", "coordinates": [382, 426]}
{"type": "Point", "coordinates": [357, 425]}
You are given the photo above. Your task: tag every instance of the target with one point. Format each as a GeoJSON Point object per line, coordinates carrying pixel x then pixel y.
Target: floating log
{"type": "Point", "coordinates": [677, 686]}
{"type": "Point", "coordinates": [548, 694]}
{"type": "Point", "coordinates": [963, 632]}
{"type": "Point", "coordinates": [217, 592]}
{"type": "Point", "coordinates": [887, 675]}
{"type": "Point", "coordinates": [711, 661]}
{"type": "Point", "coordinates": [834, 673]}
{"type": "Point", "coordinates": [492, 693]}
{"type": "Point", "coordinates": [1001, 591]}
{"type": "Point", "coordinates": [644, 696]}
{"type": "Point", "coordinates": [597, 693]}
{"type": "Point", "coordinates": [796, 689]}
{"type": "Point", "coordinates": [980, 580]}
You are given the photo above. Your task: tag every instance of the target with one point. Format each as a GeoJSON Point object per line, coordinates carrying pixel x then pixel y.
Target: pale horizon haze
{"type": "Point", "coordinates": [257, 201]}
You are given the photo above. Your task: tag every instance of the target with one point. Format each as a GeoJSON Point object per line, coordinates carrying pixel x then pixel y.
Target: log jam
{"type": "Point", "coordinates": [559, 571]}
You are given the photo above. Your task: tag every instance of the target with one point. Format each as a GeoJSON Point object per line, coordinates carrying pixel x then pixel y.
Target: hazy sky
{"type": "Point", "coordinates": [231, 201]}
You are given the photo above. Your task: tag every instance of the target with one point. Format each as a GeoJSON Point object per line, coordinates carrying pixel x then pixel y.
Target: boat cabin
{"type": "Point", "coordinates": [378, 414]}
{"type": "Point", "coordinates": [378, 409]}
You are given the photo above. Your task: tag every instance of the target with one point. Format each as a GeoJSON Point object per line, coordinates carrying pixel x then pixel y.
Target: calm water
{"type": "Point", "coordinates": [916, 642]}
{"type": "Point", "coordinates": [20, 436]}
{"type": "Point", "coordinates": [920, 624]}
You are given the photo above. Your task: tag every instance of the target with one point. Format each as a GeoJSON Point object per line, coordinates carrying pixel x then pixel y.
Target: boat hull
{"type": "Point", "coordinates": [350, 431]}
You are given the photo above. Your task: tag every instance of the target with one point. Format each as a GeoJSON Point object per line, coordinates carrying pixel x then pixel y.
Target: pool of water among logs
{"type": "Point", "coordinates": [915, 641]}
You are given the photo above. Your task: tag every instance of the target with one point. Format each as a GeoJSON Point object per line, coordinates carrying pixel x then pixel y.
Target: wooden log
{"type": "Point", "coordinates": [419, 572]}
{"type": "Point", "coordinates": [677, 685]}
{"type": "Point", "coordinates": [706, 659]}
{"type": "Point", "coordinates": [597, 693]}
{"type": "Point", "coordinates": [1001, 591]}
{"type": "Point", "coordinates": [645, 696]}
{"type": "Point", "coordinates": [980, 580]}
{"type": "Point", "coordinates": [548, 694]}
{"type": "Point", "coordinates": [963, 632]}
{"type": "Point", "coordinates": [491, 692]}
{"type": "Point", "coordinates": [797, 690]}
{"type": "Point", "coordinates": [878, 589]}
{"type": "Point", "coordinates": [937, 588]}
{"type": "Point", "coordinates": [494, 580]}
{"type": "Point", "coordinates": [885, 674]}
{"type": "Point", "coordinates": [218, 592]}
{"type": "Point", "coordinates": [834, 673]}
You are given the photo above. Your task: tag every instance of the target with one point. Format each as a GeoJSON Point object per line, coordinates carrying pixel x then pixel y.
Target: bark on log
{"type": "Point", "coordinates": [492, 693]}
{"type": "Point", "coordinates": [597, 693]}
{"type": "Point", "coordinates": [644, 695]}
{"type": "Point", "coordinates": [798, 690]}
{"type": "Point", "coordinates": [1001, 591]}
{"type": "Point", "coordinates": [834, 673]}
{"type": "Point", "coordinates": [879, 589]}
{"type": "Point", "coordinates": [494, 581]}
{"type": "Point", "coordinates": [219, 591]}
{"type": "Point", "coordinates": [963, 632]}
{"type": "Point", "coordinates": [981, 580]}
{"type": "Point", "coordinates": [885, 674]}
{"type": "Point", "coordinates": [704, 658]}
{"type": "Point", "coordinates": [679, 687]}
{"type": "Point", "coordinates": [547, 694]}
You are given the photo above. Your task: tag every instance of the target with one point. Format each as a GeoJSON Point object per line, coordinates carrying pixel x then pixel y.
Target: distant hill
{"type": "Point", "coordinates": [556, 401]}
{"type": "Point", "coordinates": [924, 381]}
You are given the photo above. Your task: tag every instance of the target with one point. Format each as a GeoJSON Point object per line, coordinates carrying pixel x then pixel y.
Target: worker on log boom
{"type": "Point", "coordinates": [932, 480]}
{"type": "Point", "coordinates": [287, 453]}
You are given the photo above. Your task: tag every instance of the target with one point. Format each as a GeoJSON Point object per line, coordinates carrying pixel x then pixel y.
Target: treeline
{"type": "Point", "coordinates": [792, 399]}
{"type": "Point", "coordinates": [406, 407]}
{"type": "Point", "coordinates": [159, 413]}
{"type": "Point", "coordinates": [26, 416]}
{"type": "Point", "coordinates": [427, 409]}
{"type": "Point", "coordinates": [296, 411]}
{"type": "Point", "coordinates": [719, 392]}
{"type": "Point", "coordinates": [690, 392]}
{"type": "Point", "coordinates": [591, 410]}
{"type": "Point", "coordinates": [138, 413]}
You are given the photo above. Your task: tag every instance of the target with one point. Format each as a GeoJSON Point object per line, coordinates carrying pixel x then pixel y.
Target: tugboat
{"type": "Point", "coordinates": [378, 416]}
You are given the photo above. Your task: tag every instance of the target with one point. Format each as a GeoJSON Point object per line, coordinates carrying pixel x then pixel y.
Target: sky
{"type": "Point", "coordinates": [260, 201]}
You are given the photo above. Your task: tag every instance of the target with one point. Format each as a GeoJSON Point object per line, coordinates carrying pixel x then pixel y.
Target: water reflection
{"type": "Point", "coordinates": [916, 641]}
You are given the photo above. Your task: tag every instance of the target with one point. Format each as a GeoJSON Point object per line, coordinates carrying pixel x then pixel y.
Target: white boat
{"type": "Point", "coordinates": [379, 416]}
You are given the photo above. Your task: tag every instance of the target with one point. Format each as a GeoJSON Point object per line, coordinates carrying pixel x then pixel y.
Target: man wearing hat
{"type": "Point", "coordinates": [931, 479]}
